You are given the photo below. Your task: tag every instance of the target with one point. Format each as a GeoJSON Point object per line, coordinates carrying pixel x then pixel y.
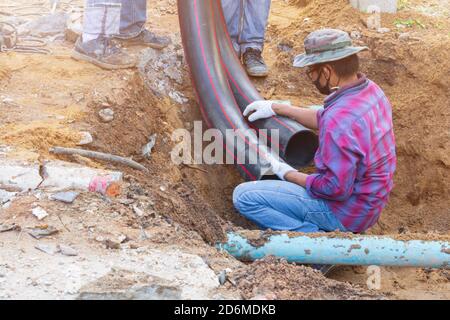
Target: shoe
{"type": "Point", "coordinates": [147, 38]}
{"type": "Point", "coordinates": [254, 63]}
{"type": "Point", "coordinates": [103, 53]}
{"type": "Point", "coordinates": [325, 269]}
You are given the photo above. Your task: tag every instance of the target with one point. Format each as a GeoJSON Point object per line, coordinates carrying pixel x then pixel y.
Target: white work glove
{"type": "Point", "coordinates": [261, 110]}
{"type": "Point", "coordinates": [280, 169]}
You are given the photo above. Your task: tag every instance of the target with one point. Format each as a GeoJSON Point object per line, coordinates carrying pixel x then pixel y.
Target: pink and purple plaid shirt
{"type": "Point", "coordinates": [356, 159]}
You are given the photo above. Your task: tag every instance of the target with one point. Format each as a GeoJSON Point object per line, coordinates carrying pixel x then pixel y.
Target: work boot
{"type": "Point", "coordinates": [254, 63]}
{"type": "Point", "coordinates": [147, 38]}
{"type": "Point", "coordinates": [103, 53]}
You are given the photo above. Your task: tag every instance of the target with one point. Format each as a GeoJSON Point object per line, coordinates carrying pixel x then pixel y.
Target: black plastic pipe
{"type": "Point", "coordinates": [217, 103]}
{"type": "Point", "coordinates": [297, 144]}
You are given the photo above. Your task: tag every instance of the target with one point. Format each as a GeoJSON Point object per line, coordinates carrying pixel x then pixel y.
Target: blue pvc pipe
{"type": "Point", "coordinates": [363, 250]}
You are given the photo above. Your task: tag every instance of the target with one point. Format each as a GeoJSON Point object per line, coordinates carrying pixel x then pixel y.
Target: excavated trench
{"type": "Point", "coordinates": [200, 196]}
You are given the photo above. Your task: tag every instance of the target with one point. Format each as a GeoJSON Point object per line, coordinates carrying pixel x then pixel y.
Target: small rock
{"type": "Point", "coordinates": [9, 227]}
{"type": "Point", "coordinates": [265, 296]}
{"type": "Point", "coordinates": [39, 213]}
{"type": "Point", "coordinates": [66, 197]}
{"type": "Point", "coordinates": [78, 97]}
{"type": "Point", "coordinates": [147, 149]}
{"type": "Point", "coordinates": [86, 138]}
{"type": "Point", "coordinates": [285, 47]}
{"type": "Point", "coordinates": [138, 211]}
{"type": "Point", "coordinates": [122, 238]}
{"type": "Point", "coordinates": [126, 202]}
{"type": "Point", "coordinates": [178, 97]}
{"type": "Point", "coordinates": [111, 244]}
{"type": "Point", "coordinates": [48, 248]}
{"type": "Point", "coordinates": [405, 36]}
{"type": "Point", "coordinates": [383, 30]}
{"type": "Point", "coordinates": [41, 232]}
{"type": "Point", "coordinates": [355, 34]}
{"type": "Point", "coordinates": [106, 115]}
{"type": "Point", "coordinates": [143, 235]}
{"type": "Point", "coordinates": [67, 251]}
{"type": "Point", "coordinates": [222, 277]}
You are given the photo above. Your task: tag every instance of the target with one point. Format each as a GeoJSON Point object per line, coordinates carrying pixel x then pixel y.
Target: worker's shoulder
{"type": "Point", "coordinates": [356, 111]}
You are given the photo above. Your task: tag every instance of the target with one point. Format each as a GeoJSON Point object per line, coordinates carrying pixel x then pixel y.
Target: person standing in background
{"type": "Point", "coordinates": [122, 20]}
{"type": "Point", "coordinates": [247, 22]}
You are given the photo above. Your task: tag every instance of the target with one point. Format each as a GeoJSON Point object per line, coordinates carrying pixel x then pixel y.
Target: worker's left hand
{"type": "Point", "coordinates": [279, 168]}
{"type": "Point", "coordinates": [259, 110]}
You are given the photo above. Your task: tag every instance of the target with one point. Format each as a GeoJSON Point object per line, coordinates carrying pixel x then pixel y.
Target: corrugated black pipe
{"type": "Point", "coordinates": [297, 144]}
{"type": "Point", "coordinates": [218, 106]}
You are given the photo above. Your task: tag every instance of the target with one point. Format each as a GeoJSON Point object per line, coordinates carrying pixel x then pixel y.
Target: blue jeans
{"type": "Point", "coordinates": [246, 21]}
{"type": "Point", "coordinates": [284, 206]}
{"type": "Point", "coordinates": [123, 18]}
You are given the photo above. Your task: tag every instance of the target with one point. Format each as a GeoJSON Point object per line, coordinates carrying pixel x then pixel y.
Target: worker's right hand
{"type": "Point", "coordinates": [259, 110]}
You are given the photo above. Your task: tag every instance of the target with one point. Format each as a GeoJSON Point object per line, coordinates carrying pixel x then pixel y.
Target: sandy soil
{"type": "Point", "coordinates": [50, 99]}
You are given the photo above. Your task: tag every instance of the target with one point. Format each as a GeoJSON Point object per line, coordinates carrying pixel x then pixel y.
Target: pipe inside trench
{"type": "Point", "coordinates": [356, 250]}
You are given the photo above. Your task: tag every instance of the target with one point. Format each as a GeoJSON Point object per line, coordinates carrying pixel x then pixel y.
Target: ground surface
{"type": "Point", "coordinates": [47, 100]}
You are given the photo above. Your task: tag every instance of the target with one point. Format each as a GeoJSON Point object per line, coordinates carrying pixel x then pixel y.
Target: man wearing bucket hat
{"type": "Point", "coordinates": [356, 158]}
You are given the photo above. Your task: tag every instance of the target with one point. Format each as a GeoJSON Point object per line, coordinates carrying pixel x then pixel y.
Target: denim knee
{"type": "Point", "coordinates": [238, 193]}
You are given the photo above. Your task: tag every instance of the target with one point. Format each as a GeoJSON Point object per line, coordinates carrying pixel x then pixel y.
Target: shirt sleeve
{"type": "Point", "coordinates": [319, 116]}
{"type": "Point", "coordinates": [336, 175]}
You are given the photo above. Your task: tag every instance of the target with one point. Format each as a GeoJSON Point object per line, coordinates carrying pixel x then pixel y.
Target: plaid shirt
{"type": "Point", "coordinates": [356, 158]}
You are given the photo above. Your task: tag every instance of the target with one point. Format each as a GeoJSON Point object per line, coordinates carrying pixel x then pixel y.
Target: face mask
{"type": "Point", "coordinates": [326, 90]}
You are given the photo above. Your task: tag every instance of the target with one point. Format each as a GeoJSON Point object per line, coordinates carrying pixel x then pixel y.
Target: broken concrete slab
{"type": "Point", "coordinates": [61, 176]}
{"type": "Point", "coordinates": [67, 250]}
{"type": "Point", "coordinates": [73, 277]}
{"type": "Point", "coordinates": [66, 197]}
{"type": "Point", "coordinates": [127, 285]}
{"type": "Point", "coordinates": [6, 196]}
{"type": "Point", "coordinates": [19, 177]}
{"type": "Point", "coordinates": [39, 213]}
{"type": "Point", "coordinates": [9, 227]}
{"type": "Point", "coordinates": [50, 249]}
{"type": "Point", "coordinates": [387, 6]}
{"type": "Point", "coordinates": [39, 233]}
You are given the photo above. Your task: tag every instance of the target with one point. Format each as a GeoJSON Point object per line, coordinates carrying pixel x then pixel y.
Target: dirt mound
{"type": "Point", "coordinates": [274, 279]}
{"type": "Point", "coordinates": [39, 137]}
{"type": "Point", "coordinates": [184, 194]}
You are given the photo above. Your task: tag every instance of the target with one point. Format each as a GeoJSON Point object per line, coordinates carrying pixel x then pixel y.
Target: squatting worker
{"type": "Point", "coordinates": [246, 22]}
{"type": "Point", "coordinates": [123, 20]}
{"type": "Point", "coordinates": [356, 158]}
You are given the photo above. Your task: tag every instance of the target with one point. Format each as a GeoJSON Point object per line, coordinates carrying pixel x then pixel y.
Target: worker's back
{"type": "Point", "coordinates": [357, 124]}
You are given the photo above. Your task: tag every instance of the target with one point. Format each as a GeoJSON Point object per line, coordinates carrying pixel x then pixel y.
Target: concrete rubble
{"type": "Point", "coordinates": [388, 6]}
{"type": "Point", "coordinates": [125, 274]}
{"type": "Point", "coordinates": [18, 176]}
{"type": "Point", "coordinates": [163, 70]}
{"type": "Point", "coordinates": [60, 176]}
